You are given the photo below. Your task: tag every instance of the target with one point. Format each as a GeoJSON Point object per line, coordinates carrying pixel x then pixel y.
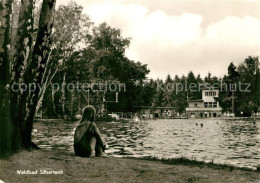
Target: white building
{"type": "Point", "coordinates": [207, 107]}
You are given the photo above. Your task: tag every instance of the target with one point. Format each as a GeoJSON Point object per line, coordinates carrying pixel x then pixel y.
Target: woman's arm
{"type": "Point", "coordinates": [98, 135]}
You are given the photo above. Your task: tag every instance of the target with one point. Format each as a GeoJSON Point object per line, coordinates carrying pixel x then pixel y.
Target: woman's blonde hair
{"type": "Point", "coordinates": [88, 114]}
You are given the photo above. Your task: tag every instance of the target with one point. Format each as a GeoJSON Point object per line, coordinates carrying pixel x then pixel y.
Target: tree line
{"type": "Point", "coordinates": [241, 84]}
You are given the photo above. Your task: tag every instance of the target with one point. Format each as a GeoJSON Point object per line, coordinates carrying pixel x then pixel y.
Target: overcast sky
{"type": "Point", "coordinates": [175, 37]}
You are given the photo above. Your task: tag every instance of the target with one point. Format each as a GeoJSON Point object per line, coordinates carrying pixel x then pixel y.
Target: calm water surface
{"type": "Point", "coordinates": [235, 142]}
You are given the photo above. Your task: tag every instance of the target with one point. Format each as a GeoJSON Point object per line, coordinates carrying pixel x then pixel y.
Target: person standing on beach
{"type": "Point", "coordinates": [87, 138]}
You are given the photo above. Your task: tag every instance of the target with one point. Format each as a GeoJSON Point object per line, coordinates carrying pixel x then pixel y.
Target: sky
{"type": "Point", "coordinates": [175, 37]}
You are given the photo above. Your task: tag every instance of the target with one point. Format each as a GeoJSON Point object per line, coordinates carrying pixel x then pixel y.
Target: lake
{"type": "Point", "coordinates": [235, 142]}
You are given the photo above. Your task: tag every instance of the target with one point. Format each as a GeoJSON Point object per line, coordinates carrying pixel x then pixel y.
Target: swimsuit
{"type": "Point", "coordinates": [82, 143]}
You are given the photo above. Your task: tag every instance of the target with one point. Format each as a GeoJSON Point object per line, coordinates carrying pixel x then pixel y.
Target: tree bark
{"type": "Point", "coordinates": [5, 117]}
{"type": "Point", "coordinates": [21, 60]}
{"type": "Point", "coordinates": [63, 96]}
{"type": "Point", "coordinates": [37, 67]}
{"type": "Point", "coordinates": [42, 92]}
{"type": "Point", "coordinates": [45, 85]}
{"type": "Point", "coordinates": [53, 102]}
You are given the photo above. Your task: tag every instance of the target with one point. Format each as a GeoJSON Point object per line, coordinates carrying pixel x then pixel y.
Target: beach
{"type": "Point", "coordinates": [52, 166]}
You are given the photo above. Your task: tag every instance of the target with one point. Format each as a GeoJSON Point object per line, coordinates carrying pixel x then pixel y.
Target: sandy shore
{"type": "Point", "coordinates": [69, 168]}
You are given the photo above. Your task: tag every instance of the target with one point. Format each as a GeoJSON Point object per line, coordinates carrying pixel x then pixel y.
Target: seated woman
{"type": "Point", "coordinates": [87, 138]}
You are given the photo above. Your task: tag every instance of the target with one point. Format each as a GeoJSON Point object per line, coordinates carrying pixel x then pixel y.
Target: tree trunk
{"type": "Point", "coordinates": [39, 59]}
{"type": "Point", "coordinates": [64, 95]}
{"type": "Point", "coordinates": [45, 85]}
{"type": "Point", "coordinates": [72, 104]}
{"type": "Point", "coordinates": [5, 117]}
{"type": "Point", "coordinates": [53, 102]}
{"type": "Point", "coordinates": [21, 60]}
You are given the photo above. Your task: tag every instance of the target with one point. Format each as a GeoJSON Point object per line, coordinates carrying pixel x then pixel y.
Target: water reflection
{"type": "Point", "coordinates": [224, 141]}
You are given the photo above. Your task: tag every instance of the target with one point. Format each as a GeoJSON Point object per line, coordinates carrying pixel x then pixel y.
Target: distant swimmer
{"type": "Point", "coordinates": [253, 120]}
{"type": "Point", "coordinates": [136, 118]}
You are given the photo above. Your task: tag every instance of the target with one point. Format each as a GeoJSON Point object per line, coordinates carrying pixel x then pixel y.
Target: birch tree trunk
{"type": "Point", "coordinates": [21, 60]}
{"type": "Point", "coordinates": [53, 101]}
{"type": "Point", "coordinates": [37, 67]}
{"type": "Point", "coordinates": [45, 85]}
{"type": "Point", "coordinates": [5, 117]}
{"type": "Point", "coordinates": [63, 97]}
{"type": "Point", "coordinates": [42, 92]}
